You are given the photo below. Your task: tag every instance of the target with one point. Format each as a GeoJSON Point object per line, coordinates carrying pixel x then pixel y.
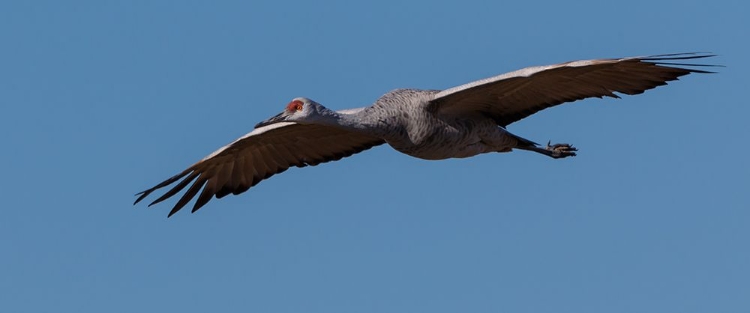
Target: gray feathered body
{"type": "Point", "coordinates": [402, 117]}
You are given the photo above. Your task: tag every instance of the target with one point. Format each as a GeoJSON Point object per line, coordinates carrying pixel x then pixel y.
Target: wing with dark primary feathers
{"type": "Point", "coordinates": [513, 96]}
{"type": "Point", "coordinates": [258, 155]}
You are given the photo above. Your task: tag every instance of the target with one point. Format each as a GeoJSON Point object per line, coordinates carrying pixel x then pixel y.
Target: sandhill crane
{"type": "Point", "coordinates": [429, 124]}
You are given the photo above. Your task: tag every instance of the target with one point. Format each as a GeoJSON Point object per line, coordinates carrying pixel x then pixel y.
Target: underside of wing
{"type": "Point", "coordinates": [513, 96]}
{"type": "Point", "coordinates": [258, 155]}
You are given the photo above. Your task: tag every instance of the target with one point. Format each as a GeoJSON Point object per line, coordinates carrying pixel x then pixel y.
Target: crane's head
{"type": "Point", "coordinates": [300, 110]}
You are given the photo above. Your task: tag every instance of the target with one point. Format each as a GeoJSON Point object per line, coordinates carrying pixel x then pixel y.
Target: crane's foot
{"type": "Point", "coordinates": [556, 151]}
{"type": "Point", "coordinates": [560, 150]}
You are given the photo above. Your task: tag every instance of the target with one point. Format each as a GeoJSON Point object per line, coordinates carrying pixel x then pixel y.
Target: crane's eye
{"type": "Point", "coordinates": [295, 105]}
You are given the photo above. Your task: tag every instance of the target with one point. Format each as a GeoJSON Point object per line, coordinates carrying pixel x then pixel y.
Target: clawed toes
{"type": "Point", "coordinates": [561, 150]}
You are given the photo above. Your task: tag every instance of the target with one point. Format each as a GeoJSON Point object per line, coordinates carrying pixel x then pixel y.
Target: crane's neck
{"type": "Point", "coordinates": [362, 121]}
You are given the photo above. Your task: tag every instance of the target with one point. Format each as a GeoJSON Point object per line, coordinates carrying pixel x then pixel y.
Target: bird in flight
{"type": "Point", "coordinates": [459, 122]}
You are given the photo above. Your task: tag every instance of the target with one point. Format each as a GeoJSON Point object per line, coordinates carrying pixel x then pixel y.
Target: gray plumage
{"type": "Point", "coordinates": [430, 124]}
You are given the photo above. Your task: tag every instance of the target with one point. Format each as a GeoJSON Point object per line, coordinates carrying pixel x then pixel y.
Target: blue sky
{"type": "Point", "coordinates": [102, 99]}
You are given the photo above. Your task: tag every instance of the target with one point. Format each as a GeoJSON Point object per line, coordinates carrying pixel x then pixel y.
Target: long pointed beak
{"type": "Point", "coordinates": [277, 118]}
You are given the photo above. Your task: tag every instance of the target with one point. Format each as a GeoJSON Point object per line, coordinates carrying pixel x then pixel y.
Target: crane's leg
{"type": "Point", "coordinates": [556, 151]}
{"type": "Point", "coordinates": [503, 140]}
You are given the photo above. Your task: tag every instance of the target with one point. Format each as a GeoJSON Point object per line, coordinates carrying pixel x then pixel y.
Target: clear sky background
{"type": "Point", "coordinates": [102, 99]}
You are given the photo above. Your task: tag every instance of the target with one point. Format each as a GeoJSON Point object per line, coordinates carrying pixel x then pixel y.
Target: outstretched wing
{"type": "Point", "coordinates": [258, 155]}
{"type": "Point", "coordinates": [513, 96]}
